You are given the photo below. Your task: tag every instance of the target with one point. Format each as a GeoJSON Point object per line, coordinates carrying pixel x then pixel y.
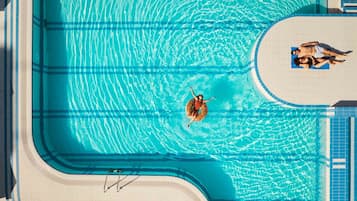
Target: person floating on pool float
{"type": "Point", "coordinates": [318, 50]}
{"type": "Point", "coordinates": [196, 108]}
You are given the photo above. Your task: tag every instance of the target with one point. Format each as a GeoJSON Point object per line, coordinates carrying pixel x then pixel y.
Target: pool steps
{"type": "Point", "coordinates": [343, 130]}
{"type": "Point", "coordinates": [349, 6]}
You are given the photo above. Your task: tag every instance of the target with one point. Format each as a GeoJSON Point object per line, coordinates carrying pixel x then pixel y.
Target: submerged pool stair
{"type": "Point", "coordinates": [349, 6]}
{"type": "Point", "coordinates": [342, 152]}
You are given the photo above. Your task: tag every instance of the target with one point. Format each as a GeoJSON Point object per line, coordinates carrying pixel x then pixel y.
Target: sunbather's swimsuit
{"type": "Point", "coordinates": [310, 62]}
{"type": "Point", "coordinates": [319, 51]}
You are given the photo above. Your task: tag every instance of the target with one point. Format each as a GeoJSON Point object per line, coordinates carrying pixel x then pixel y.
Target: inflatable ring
{"type": "Point", "coordinates": [201, 113]}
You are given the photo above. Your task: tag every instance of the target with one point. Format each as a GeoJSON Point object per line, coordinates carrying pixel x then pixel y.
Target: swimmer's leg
{"type": "Point", "coordinates": [194, 114]}
{"type": "Point", "coordinates": [189, 123]}
{"type": "Point", "coordinates": [193, 119]}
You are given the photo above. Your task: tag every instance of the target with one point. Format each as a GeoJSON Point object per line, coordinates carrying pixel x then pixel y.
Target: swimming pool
{"type": "Point", "coordinates": [111, 80]}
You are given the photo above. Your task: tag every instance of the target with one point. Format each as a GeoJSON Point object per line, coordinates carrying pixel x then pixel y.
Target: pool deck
{"type": "Point", "coordinates": [306, 86]}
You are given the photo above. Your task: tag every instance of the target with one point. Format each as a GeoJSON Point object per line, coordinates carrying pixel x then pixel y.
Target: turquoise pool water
{"type": "Point", "coordinates": [111, 80]}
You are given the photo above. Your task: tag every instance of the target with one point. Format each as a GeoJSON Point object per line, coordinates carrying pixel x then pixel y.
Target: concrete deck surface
{"type": "Point", "coordinates": [309, 87]}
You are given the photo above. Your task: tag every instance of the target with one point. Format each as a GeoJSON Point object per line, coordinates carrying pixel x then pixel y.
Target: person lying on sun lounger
{"type": "Point", "coordinates": [308, 61]}
{"type": "Point", "coordinates": [317, 50]}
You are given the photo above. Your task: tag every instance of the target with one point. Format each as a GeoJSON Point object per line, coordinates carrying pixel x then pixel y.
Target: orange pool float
{"type": "Point", "coordinates": [201, 113]}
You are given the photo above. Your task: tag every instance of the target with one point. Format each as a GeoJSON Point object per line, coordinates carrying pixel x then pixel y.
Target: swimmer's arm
{"type": "Point", "coordinates": [310, 43]}
{"type": "Point", "coordinates": [192, 92]}
{"type": "Point", "coordinates": [321, 63]}
{"type": "Point", "coordinates": [212, 98]}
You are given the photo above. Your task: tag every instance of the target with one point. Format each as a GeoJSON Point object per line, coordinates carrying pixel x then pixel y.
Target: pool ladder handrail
{"type": "Point", "coordinates": [106, 188]}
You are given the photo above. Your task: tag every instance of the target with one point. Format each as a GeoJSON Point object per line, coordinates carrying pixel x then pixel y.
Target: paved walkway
{"type": "Point", "coordinates": [309, 87]}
